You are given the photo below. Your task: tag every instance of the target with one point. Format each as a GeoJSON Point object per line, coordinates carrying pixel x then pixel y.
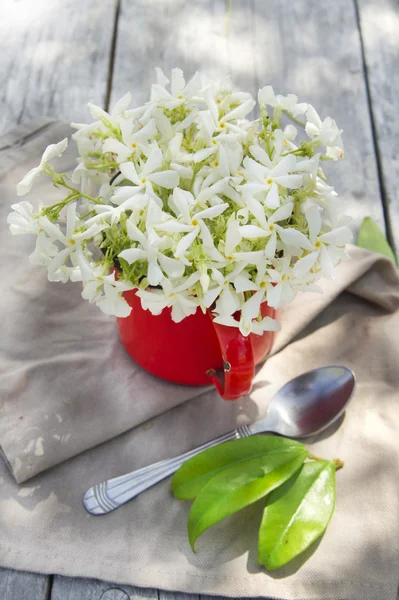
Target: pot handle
{"type": "Point", "coordinates": [238, 363]}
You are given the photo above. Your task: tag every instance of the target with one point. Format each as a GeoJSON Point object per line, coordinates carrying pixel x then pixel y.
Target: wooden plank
{"type": "Point", "coordinates": [17, 585]}
{"type": "Point", "coordinates": [55, 58]}
{"type": "Point", "coordinates": [178, 596]}
{"type": "Point", "coordinates": [312, 48]}
{"type": "Point", "coordinates": [66, 588]}
{"type": "Point", "coordinates": [379, 25]}
{"type": "Point", "coordinates": [167, 33]}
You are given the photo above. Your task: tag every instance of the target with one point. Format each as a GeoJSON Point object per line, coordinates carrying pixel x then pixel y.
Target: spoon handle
{"type": "Point", "coordinates": [105, 497]}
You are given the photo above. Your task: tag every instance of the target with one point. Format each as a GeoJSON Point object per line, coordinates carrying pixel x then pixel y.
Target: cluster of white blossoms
{"type": "Point", "coordinates": [196, 206]}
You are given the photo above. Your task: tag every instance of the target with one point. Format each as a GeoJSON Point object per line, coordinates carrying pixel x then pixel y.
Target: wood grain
{"type": "Point", "coordinates": [16, 585]}
{"type": "Point", "coordinates": [173, 33]}
{"type": "Point", "coordinates": [379, 24]}
{"type": "Point", "coordinates": [55, 58]}
{"type": "Point", "coordinates": [65, 588]}
{"type": "Point", "coordinates": [313, 48]}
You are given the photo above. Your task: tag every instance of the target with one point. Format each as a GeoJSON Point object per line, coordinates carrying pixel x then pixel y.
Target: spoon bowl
{"type": "Point", "coordinates": [309, 403]}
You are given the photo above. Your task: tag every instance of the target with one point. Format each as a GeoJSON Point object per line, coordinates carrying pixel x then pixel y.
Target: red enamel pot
{"type": "Point", "coordinates": [195, 351]}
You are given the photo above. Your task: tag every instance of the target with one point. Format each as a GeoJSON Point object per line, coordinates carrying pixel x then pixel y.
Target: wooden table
{"type": "Point", "coordinates": [340, 55]}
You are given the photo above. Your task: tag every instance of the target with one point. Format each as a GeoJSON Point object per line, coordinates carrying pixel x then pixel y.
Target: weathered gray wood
{"type": "Point", "coordinates": [168, 33]}
{"type": "Point", "coordinates": [16, 585]}
{"type": "Point", "coordinates": [66, 588]}
{"type": "Point", "coordinates": [178, 596]}
{"type": "Point", "coordinates": [54, 58]}
{"type": "Point", "coordinates": [312, 48]}
{"type": "Point", "coordinates": [379, 24]}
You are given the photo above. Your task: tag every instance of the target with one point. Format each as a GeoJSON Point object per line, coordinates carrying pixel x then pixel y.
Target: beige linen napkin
{"type": "Point", "coordinates": [64, 372]}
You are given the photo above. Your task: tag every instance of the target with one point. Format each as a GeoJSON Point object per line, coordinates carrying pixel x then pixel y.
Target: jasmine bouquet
{"type": "Point", "coordinates": [196, 205]}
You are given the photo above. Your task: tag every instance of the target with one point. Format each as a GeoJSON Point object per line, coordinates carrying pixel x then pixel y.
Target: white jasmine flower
{"type": "Point", "coordinates": [179, 298]}
{"type": "Point", "coordinates": [106, 292]}
{"type": "Point", "coordinates": [23, 219]}
{"type": "Point", "coordinates": [268, 228]}
{"type": "Point", "coordinates": [326, 131]}
{"type": "Point", "coordinates": [323, 244]}
{"type": "Point", "coordinates": [208, 207]}
{"type": "Point", "coordinates": [264, 177]}
{"type": "Point", "coordinates": [149, 247]}
{"type": "Point", "coordinates": [51, 152]}
{"type": "Point", "coordinates": [288, 103]}
{"type": "Point", "coordinates": [151, 172]}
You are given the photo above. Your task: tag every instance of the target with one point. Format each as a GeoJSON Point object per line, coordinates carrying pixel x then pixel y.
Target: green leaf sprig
{"type": "Point", "coordinates": [371, 238]}
{"type": "Point", "coordinates": [300, 496]}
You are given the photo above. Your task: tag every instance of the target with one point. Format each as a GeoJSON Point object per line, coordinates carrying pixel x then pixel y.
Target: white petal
{"type": "Point", "coordinates": [257, 210]}
{"type": "Point", "coordinates": [165, 179]}
{"type": "Point", "coordinates": [186, 242]}
{"type": "Point", "coordinates": [116, 147]}
{"type": "Point", "coordinates": [290, 181]}
{"type": "Point", "coordinates": [273, 199]}
{"type": "Point", "coordinates": [271, 245]}
{"type": "Point", "coordinates": [172, 226]}
{"type": "Point", "coordinates": [122, 104]}
{"type": "Point", "coordinates": [55, 150]}
{"type": "Point", "coordinates": [184, 172]}
{"type": "Point", "coordinates": [133, 254]}
{"type": "Point", "coordinates": [154, 161]}
{"type": "Point", "coordinates": [304, 265]}
{"type": "Point", "coordinates": [128, 170]}
{"type": "Point", "coordinates": [241, 111]}
{"type": "Point", "coordinates": [183, 200]}
{"type": "Point", "coordinates": [293, 237]}
{"type": "Point", "coordinates": [313, 218]}
{"type": "Point", "coordinates": [243, 283]}
{"type": "Point", "coordinates": [233, 236]}
{"type": "Point", "coordinates": [228, 302]}
{"type": "Point", "coordinates": [250, 309]}
{"type": "Point", "coordinates": [59, 259]}
{"type": "Point", "coordinates": [161, 77]}
{"type": "Point", "coordinates": [52, 230]}
{"type": "Point", "coordinates": [226, 320]}
{"type": "Point", "coordinates": [253, 232]}
{"type": "Point", "coordinates": [250, 258]}
{"type": "Point", "coordinates": [203, 154]}
{"type": "Point", "coordinates": [223, 168]}
{"type": "Point", "coordinates": [178, 81]}
{"type": "Point", "coordinates": [267, 95]}
{"type": "Point", "coordinates": [260, 155]}
{"type": "Point", "coordinates": [282, 213]}
{"type": "Point", "coordinates": [154, 274]}
{"type": "Point", "coordinates": [135, 234]}
{"type": "Point", "coordinates": [171, 266]}
{"type": "Point", "coordinates": [338, 237]}
{"type": "Point", "coordinates": [97, 112]}
{"type": "Point", "coordinates": [274, 295]}
{"type": "Point", "coordinates": [210, 296]}
{"type": "Point", "coordinates": [25, 185]}
{"type": "Point", "coordinates": [187, 283]}
{"type": "Point", "coordinates": [212, 212]}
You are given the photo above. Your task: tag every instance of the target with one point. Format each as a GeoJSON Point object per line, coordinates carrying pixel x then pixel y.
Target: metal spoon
{"type": "Point", "coordinates": [303, 407]}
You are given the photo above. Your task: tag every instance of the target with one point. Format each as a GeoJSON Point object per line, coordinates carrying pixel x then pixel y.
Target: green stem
{"type": "Point", "coordinates": [294, 119]}
{"type": "Point", "coordinates": [78, 193]}
{"type": "Point", "coordinates": [313, 457]}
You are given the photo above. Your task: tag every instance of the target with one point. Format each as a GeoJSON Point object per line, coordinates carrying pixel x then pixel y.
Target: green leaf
{"type": "Point", "coordinates": [195, 473]}
{"type": "Point", "coordinates": [371, 237]}
{"type": "Point", "coordinates": [296, 514]}
{"type": "Point", "coordinates": [240, 485]}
